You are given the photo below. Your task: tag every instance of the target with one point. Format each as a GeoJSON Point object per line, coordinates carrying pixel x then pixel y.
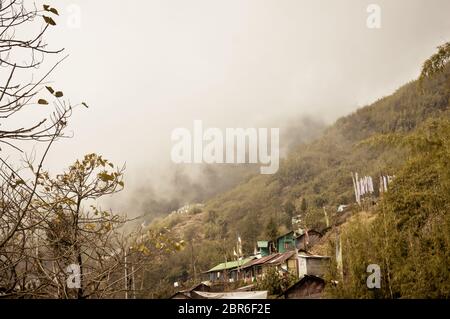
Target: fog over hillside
{"type": "Point", "coordinates": [230, 64]}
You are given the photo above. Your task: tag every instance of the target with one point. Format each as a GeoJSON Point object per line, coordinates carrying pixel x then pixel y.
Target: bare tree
{"type": "Point", "coordinates": [22, 54]}
{"type": "Point", "coordinates": [66, 228]}
{"type": "Point", "coordinates": [48, 224]}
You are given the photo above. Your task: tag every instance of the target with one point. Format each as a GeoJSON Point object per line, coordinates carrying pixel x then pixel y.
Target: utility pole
{"type": "Point", "coordinates": [339, 261]}
{"type": "Point", "coordinates": [239, 252]}
{"type": "Point", "coordinates": [133, 285]}
{"type": "Point", "coordinates": [126, 275]}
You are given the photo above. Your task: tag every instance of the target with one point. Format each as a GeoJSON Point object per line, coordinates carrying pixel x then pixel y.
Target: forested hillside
{"type": "Point", "coordinates": [405, 134]}
{"type": "Point", "coordinates": [409, 234]}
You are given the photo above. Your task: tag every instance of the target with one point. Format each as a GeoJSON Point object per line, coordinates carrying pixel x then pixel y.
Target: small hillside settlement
{"type": "Point", "coordinates": [288, 254]}
{"type": "Point", "coordinates": [291, 257]}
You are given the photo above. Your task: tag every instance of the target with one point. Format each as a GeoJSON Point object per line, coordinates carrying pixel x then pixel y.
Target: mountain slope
{"type": "Point", "coordinates": [314, 176]}
{"type": "Point", "coordinates": [320, 171]}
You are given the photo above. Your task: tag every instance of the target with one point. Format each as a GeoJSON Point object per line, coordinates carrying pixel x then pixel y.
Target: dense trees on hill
{"type": "Point", "coordinates": [410, 236]}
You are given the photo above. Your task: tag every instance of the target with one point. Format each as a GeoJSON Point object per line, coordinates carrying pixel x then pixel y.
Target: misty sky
{"type": "Point", "coordinates": [147, 67]}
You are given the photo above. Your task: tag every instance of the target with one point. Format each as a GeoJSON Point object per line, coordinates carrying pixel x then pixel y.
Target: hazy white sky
{"type": "Point", "coordinates": [147, 67]}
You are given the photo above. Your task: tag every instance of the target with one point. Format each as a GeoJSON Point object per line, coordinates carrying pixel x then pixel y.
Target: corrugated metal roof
{"type": "Point", "coordinates": [281, 258]}
{"type": "Point", "coordinates": [260, 261]}
{"type": "Point", "coordinates": [231, 264]}
{"type": "Point", "coordinates": [273, 259]}
{"type": "Point", "coordinates": [261, 294]}
{"type": "Point", "coordinates": [303, 281]}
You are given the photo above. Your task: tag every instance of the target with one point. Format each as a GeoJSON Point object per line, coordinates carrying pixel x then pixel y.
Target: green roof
{"type": "Point", "coordinates": [262, 243]}
{"type": "Point", "coordinates": [231, 264]}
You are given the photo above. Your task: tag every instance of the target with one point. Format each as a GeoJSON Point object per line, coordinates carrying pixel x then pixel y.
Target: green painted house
{"type": "Point", "coordinates": [281, 244]}
{"type": "Point", "coordinates": [285, 242]}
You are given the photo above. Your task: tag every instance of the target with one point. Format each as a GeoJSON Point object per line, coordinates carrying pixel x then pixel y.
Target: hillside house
{"type": "Point", "coordinates": [285, 261]}
{"type": "Point", "coordinates": [312, 265]}
{"type": "Point", "coordinates": [309, 287]}
{"type": "Point", "coordinates": [263, 248]}
{"type": "Point", "coordinates": [228, 271]}
{"type": "Point", "coordinates": [254, 268]}
{"type": "Point", "coordinates": [187, 293]}
{"type": "Point", "coordinates": [285, 242]}
{"type": "Point", "coordinates": [257, 268]}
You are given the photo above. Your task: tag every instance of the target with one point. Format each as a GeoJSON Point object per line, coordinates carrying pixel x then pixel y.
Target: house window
{"type": "Point", "coordinates": [287, 245]}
